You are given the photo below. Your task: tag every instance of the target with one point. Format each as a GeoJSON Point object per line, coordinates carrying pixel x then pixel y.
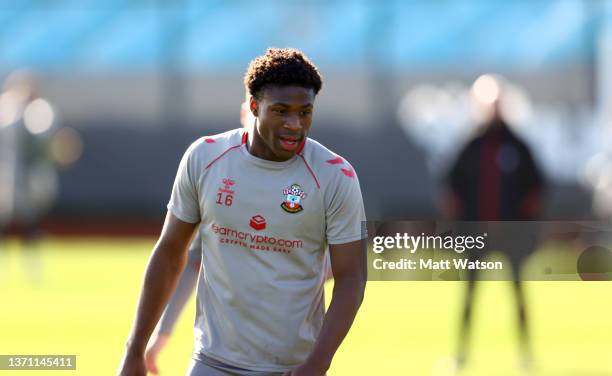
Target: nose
{"type": "Point", "coordinates": [293, 122]}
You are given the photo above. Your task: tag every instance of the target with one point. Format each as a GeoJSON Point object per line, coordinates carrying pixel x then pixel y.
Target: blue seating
{"type": "Point", "coordinates": [127, 35]}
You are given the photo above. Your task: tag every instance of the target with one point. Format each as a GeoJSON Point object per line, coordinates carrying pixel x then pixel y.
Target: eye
{"type": "Point", "coordinates": [306, 112]}
{"type": "Point", "coordinates": [279, 111]}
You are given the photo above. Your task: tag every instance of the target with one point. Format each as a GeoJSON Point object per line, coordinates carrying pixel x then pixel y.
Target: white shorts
{"type": "Point", "coordinates": [215, 368]}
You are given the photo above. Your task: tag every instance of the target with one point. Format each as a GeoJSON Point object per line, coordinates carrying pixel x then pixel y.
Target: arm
{"type": "Point", "coordinates": [165, 265]}
{"type": "Point", "coordinates": [183, 291]}
{"type": "Point", "coordinates": [177, 302]}
{"type": "Point", "coordinates": [348, 263]}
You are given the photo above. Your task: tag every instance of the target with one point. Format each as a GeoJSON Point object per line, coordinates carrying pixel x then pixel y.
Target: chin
{"type": "Point", "coordinates": [284, 154]}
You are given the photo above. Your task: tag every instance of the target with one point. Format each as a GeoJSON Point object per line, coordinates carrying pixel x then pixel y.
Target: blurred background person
{"type": "Point", "coordinates": [33, 147]}
{"type": "Point", "coordinates": [495, 178]}
{"type": "Point", "coordinates": [29, 182]}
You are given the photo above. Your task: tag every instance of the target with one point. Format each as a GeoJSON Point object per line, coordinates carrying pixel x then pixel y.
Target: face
{"type": "Point", "coordinates": [284, 116]}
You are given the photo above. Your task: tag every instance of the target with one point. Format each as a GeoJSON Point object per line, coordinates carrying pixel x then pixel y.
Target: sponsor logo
{"type": "Point", "coordinates": [255, 241]}
{"type": "Point", "coordinates": [258, 222]}
{"type": "Point", "coordinates": [293, 197]}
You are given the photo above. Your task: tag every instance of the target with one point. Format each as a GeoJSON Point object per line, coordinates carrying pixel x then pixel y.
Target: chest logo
{"type": "Point", "coordinates": [293, 198]}
{"type": "Point", "coordinates": [258, 222]}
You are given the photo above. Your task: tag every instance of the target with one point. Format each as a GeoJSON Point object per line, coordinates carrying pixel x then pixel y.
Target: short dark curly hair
{"type": "Point", "coordinates": [284, 67]}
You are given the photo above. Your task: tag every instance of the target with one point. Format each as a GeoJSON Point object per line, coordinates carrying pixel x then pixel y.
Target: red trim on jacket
{"type": "Point", "coordinates": [300, 154]}
{"type": "Point", "coordinates": [244, 137]}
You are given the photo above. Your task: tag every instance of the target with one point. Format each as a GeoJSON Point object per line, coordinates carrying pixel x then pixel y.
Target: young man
{"type": "Point", "coordinates": [188, 278]}
{"type": "Point", "coordinates": [267, 205]}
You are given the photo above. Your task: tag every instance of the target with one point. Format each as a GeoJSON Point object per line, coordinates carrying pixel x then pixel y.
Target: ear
{"type": "Point", "coordinates": [253, 106]}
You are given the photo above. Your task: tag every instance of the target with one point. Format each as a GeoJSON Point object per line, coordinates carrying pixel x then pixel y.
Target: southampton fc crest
{"type": "Point", "coordinates": [293, 196]}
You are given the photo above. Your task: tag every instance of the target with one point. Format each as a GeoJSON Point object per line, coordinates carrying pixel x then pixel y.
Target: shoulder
{"type": "Point", "coordinates": [329, 167]}
{"type": "Point", "coordinates": [471, 148]}
{"type": "Point", "coordinates": [518, 141]}
{"type": "Point", "coordinates": [206, 150]}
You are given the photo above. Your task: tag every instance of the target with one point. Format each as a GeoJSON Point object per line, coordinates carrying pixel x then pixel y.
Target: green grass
{"type": "Point", "coordinates": [84, 302]}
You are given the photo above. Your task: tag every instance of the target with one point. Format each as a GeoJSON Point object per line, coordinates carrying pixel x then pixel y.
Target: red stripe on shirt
{"type": "Point", "coordinates": [299, 150]}
{"type": "Point", "coordinates": [307, 165]}
{"type": "Point", "coordinates": [490, 180]}
{"type": "Point", "coordinates": [243, 141]}
{"type": "Point", "coordinates": [337, 160]}
{"type": "Point", "coordinates": [222, 154]}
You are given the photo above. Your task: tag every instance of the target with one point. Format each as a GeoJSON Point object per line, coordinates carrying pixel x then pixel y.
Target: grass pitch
{"type": "Point", "coordinates": [84, 300]}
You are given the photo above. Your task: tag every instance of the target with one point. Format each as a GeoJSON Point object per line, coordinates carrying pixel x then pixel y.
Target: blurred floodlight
{"type": "Point", "coordinates": [66, 146]}
{"type": "Point", "coordinates": [494, 94]}
{"type": "Point", "coordinates": [10, 108]}
{"type": "Point", "coordinates": [486, 89]}
{"type": "Point", "coordinates": [21, 82]}
{"type": "Point", "coordinates": [38, 116]}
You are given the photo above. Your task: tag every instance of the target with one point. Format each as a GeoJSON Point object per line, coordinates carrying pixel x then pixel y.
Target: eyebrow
{"type": "Point", "coordinates": [286, 105]}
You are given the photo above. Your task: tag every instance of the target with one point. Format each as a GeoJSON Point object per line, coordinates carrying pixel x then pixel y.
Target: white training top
{"type": "Point", "coordinates": [264, 226]}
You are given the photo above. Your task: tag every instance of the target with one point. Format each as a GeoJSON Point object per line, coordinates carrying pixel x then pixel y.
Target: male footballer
{"type": "Point", "coordinates": [268, 203]}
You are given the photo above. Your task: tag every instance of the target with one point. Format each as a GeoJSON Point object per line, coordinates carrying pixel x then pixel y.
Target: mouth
{"type": "Point", "coordinates": [290, 143]}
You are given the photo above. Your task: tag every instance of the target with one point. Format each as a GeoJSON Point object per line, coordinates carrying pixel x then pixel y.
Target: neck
{"type": "Point", "coordinates": [258, 148]}
{"type": "Point", "coordinates": [250, 130]}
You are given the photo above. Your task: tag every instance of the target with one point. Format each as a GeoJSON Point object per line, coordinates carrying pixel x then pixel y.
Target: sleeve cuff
{"type": "Point", "coordinates": [347, 239]}
{"type": "Point", "coordinates": [182, 216]}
